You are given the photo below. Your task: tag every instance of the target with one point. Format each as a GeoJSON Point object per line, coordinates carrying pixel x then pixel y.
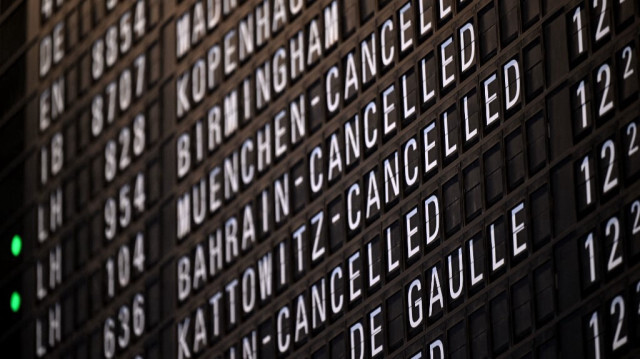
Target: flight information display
{"type": "Point", "coordinates": [319, 179]}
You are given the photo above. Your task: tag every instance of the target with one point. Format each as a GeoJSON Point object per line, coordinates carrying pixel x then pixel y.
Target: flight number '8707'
{"type": "Point", "coordinates": [119, 95]}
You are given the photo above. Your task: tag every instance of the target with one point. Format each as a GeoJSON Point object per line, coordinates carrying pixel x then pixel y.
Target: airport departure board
{"type": "Point", "coordinates": [319, 179]}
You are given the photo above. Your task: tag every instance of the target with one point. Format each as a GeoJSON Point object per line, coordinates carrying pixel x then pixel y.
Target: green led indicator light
{"type": "Point", "coordinates": [16, 245]}
{"type": "Point", "coordinates": [15, 302]}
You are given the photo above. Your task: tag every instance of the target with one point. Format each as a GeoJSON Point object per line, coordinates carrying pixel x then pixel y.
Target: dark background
{"type": "Point", "coordinates": [539, 306]}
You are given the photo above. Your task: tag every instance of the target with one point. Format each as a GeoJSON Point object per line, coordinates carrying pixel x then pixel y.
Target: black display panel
{"type": "Point", "coordinates": [319, 178]}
